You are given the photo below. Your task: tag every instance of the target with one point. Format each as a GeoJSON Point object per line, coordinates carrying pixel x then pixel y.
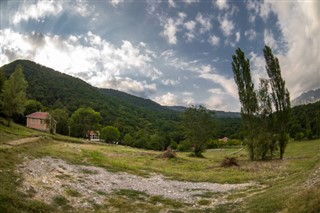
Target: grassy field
{"type": "Point", "coordinates": [281, 182]}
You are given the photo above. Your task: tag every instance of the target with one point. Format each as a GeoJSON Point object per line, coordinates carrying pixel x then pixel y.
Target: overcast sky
{"type": "Point", "coordinates": [175, 52]}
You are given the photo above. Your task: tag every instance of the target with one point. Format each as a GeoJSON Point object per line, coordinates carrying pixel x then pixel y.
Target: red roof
{"type": "Point", "coordinates": [40, 115]}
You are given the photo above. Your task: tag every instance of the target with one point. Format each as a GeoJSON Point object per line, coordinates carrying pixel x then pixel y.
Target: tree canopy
{"type": "Point", "coordinates": [199, 125]}
{"type": "Point", "coordinates": [13, 96]}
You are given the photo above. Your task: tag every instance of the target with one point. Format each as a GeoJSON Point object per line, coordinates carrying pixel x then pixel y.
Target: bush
{"type": "Point", "coordinates": [185, 146]}
{"type": "Point", "coordinates": [228, 162]}
{"type": "Point", "coordinates": [169, 153]}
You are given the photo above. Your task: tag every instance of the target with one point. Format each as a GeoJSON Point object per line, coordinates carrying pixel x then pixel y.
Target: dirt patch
{"type": "Point", "coordinates": [47, 178]}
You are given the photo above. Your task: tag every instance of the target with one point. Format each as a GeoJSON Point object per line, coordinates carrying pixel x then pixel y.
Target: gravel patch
{"type": "Point", "coordinates": [48, 177]}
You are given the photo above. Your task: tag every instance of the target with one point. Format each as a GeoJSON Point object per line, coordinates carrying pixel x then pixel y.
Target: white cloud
{"type": "Point", "coordinates": [226, 25]}
{"type": "Point", "coordinates": [238, 36]}
{"type": "Point", "coordinates": [205, 23]}
{"type": "Point", "coordinates": [126, 84]}
{"type": "Point", "coordinates": [37, 11]}
{"type": "Point", "coordinates": [171, 27]}
{"type": "Point", "coordinates": [300, 26]}
{"type": "Point", "coordinates": [170, 82]}
{"type": "Point", "coordinates": [220, 100]}
{"type": "Point", "coordinates": [168, 99]}
{"type": "Point", "coordinates": [172, 3]}
{"type": "Point", "coordinates": [115, 3]}
{"type": "Point", "coordinates": [221, 4]}
{"type": "Point", "coordinates": [250, 34]}
{"type": "Point", "coordinates": [228, 85]}
{"type": "Point", "coordinates": [270, 40]}
{"type": "Point", "coordinates": [87, 56]}
{"type": "Point", "coordinates": [190, 26]}
{"type": "Point", "coordinates": [190, 1]}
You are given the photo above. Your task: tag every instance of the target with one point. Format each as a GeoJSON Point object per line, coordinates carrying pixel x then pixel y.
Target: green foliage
{"type": "Point", "coordinates": [33, 106]}
{"type": "Point", "coordinates": [2, 79]}
{"type": "Point", "coordinates": [110, 134]}
{"type": "Point", "coordinates": [13, 95]}
{"type": "Point", "coordinates": [280, 97]}
{"type": "Point", "coordinates": [185, 146]}
{"type": "Point", "coordinates": [199, 126]}
{"type": "Point", "coordinates": [61, 117]}
{"type": "Point", "coordinates": [305, 119]}
{"type": "Point", "coordinates": [247, 97]}
{"type": "Point", "coordinates": [84, 120]}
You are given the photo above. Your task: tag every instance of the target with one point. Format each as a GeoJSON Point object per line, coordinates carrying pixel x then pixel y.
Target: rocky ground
{"type": "Point", "coordinates": [46, 178]}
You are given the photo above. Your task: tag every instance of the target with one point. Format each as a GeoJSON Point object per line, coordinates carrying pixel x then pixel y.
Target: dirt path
{"type": "Point", "coordinates": [19, 142]}
{"type": "Point", "coordinates": [47, 177]}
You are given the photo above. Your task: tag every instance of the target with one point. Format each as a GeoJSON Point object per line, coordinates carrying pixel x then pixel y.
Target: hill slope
{"type": "Point", "coordinates": [57, 90]}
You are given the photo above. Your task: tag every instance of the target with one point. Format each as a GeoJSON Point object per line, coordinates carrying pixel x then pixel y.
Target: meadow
{"type": "Point", "coordinates": [288, 185]}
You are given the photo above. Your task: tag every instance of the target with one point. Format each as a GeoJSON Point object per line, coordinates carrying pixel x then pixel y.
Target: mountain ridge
{"type": "Point", "coordinates": [308, 97]}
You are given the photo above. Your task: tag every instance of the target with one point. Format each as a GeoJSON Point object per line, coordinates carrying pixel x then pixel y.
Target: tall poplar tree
{"type": "Point", "coordinates": [13, 96]}
{"type": "Point", "coordinates": [280, 98]}
{"type": "Point", "coordinates": [247, 97]}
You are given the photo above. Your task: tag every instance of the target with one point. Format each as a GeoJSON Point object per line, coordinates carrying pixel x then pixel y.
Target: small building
{"type": "Point", "coordinates": [93, 135]}
{"type": "Point", "coordinates": [37, 120]}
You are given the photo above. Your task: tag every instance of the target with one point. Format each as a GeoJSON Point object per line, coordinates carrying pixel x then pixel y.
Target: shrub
{"type": "Point", "coordinates": [228, 162]}
{"type": "Point", "coordinates": [185, 146]}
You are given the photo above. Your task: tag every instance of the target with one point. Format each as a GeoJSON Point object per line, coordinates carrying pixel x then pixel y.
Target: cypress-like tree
{"type": "Point", "coordinates": [13, 97]}
{"type": "Point", "coordinates": [280, 97]}
{"type": "Point", "coordinates": [247, 97]}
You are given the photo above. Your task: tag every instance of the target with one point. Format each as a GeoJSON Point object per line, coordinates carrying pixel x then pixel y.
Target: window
{"type": "Point", "coordinates": [41, 122]}
{"type": "Point", "coordinates": [32, 120]}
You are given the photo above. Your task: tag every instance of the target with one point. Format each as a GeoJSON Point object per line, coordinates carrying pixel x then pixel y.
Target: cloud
{"type": "Point", "coordinates": [37, 11]}
{"type": "Point", "coordinates": [226, 25]}
{"type": "Point", "coordinates": [170, 99]}
{"type": "Point", "coordinates": [126, 84]}
{"type": "Point", "coordinates": [227, 84]}
{"type": "Point", "coordinates": [220, 100]}
{"type": "Point", "coordinates": [221, 4]}
{"type": "Point", "coordinates": [115, 3]}
{"type": "Point", "coordinates": [170, 82]}
{"type": "Point", "coordinates": [214, 40]}
{"type": "Point", "coordinates": [204, 22]}
{"type": "Point", "coordinates": [87, 56]}
{"type": "Point", "coordinates": [190, 26]}
{"type": "Point", "coordinates": [172, 3]}
{"type": "Point", "coordinates": [238, 36]}
{"type": "Point", "coordinates": [300, 26]}
{"type": "Point", "coordinates": [250, 34]}
{"type": "Point", "coordinates": [171, 27]}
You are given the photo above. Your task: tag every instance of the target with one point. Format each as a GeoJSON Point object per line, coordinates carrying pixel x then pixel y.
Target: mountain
{"type": "Point", "coordinates": [218, 114]}
{"type": "Point", "coordinates": [57, 90]}
{"type": "Point", "coordinates": [311, 96]}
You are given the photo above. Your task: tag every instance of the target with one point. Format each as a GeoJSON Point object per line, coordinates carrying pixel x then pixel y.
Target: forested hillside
{"type": "Point", "coordinates": [128, 113]}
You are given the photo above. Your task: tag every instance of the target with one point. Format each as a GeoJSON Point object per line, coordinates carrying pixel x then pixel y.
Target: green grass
{"type": "Point", "coordinates": [282, 180]}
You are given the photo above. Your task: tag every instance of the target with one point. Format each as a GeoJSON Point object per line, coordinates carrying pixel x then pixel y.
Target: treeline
{"type": "Point", "coordinates": [305, 122]}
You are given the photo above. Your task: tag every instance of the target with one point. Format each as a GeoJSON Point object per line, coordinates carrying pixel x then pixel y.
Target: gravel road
{"type": "Point", "coordinates": [48, 177]}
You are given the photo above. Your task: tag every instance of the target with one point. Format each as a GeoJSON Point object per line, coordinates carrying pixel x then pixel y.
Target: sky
{"type": "Point", "coordinates": [175, 52]}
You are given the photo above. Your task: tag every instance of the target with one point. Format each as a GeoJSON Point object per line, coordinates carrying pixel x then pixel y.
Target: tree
{"type": "Point", "coordinates": [199, 126]}
{"type": "Point", "coordinates": [247, 97]}
{"type": "Point", "coordinates": [84, 120]}
{"type": "Point", "coordinates": [110, 134]}
{"type": "Point", "coordinates": [32, 106]}
{"type": "Point", "coordinates": [280, 98]}
{"type": "Point", "coordinates": [13, 95]}
{"type": "Point", "coordinates": [2, 79]}
{"type": "Point", "coordinates": [265, 139]}
{"type": "Point", "coordinates": [61, 116]}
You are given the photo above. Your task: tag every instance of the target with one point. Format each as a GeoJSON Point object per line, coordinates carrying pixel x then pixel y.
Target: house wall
{"type": "Point", "coordinates": [36, 123]}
